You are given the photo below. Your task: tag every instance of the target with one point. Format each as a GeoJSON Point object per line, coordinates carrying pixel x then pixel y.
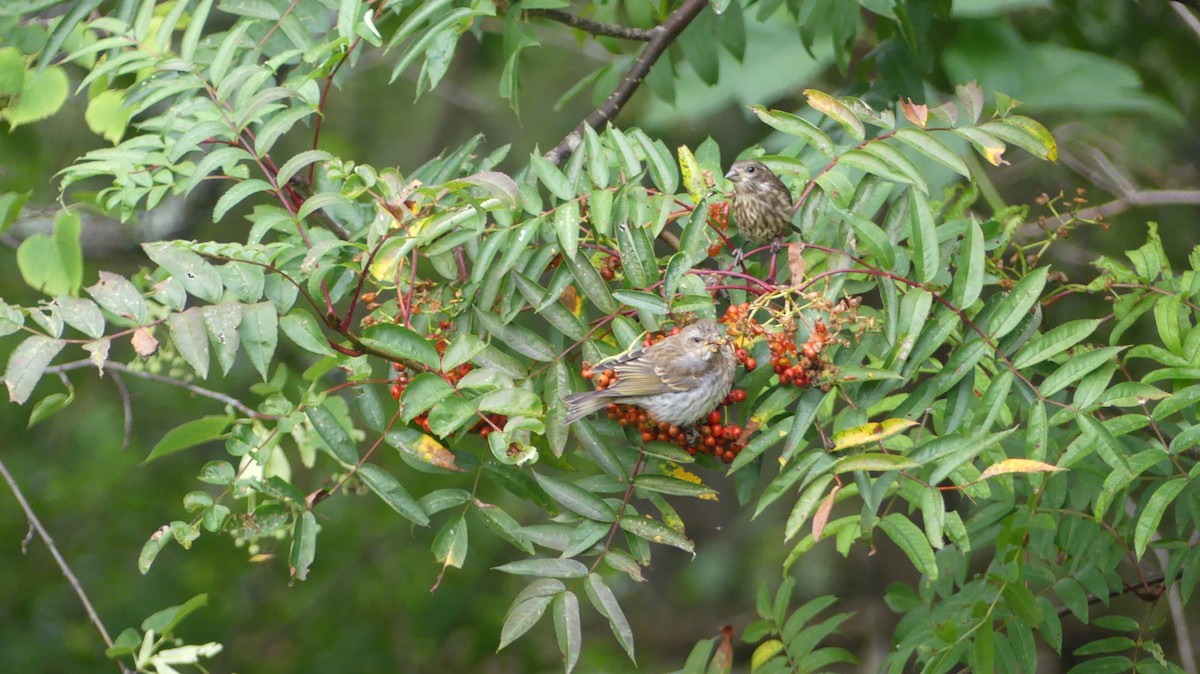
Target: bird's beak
{"type": "Point", "coordinates": [730, 174]}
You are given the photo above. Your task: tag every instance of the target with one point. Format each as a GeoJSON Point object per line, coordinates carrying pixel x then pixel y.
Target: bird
{"type": "Point", "coordinates": [761, 204]}
{"type": "Point", "coordinates": [677, 381]}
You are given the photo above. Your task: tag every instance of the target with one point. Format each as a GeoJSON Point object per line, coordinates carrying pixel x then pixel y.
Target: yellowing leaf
{"type": "Point", "coordinates": [837, 110]}
{"type": "Point", "coordinates": [689, 168]}
{"type": "Point", "coordinates": [872, 432]}
{"type": "Point", "coordinates": [433, 452]}
{"type": "Point", "coordinates": [388, 261]}
{"type": "Point", "coordinates": [765, 651]}
{"type": "Point", "coordinates": [1019, 466]}
{"type": "Point", "coordinates": [678, 472]}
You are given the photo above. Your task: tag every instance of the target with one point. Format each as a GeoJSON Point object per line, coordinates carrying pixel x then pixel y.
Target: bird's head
{"type": "Point", "coordinates": [746, 170]}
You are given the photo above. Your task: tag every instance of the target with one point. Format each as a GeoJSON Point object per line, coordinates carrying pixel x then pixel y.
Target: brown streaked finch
{"type": "Point", "coordinates": [677, 381]}
{"type": "Point", "coordinates": [761, 204]}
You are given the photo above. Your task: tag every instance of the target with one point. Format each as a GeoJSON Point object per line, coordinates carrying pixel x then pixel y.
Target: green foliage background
{"type": "Point", "coordinates": [1112, 81]}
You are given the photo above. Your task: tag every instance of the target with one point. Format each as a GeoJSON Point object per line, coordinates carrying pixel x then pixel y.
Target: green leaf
{"type": "Point", "coordinates": [554, 179]}
{"type": "Point", "coordinates": [390, 490]}
{"type": "Point", "coordinates": [606, 604]}
{"type": "Point", "coordinates": [1076, 367]}
{"type": "Point", "coordinates": [49, 406]}
{"type": "Point", "coordinates": [107, 115]}
{"type": "Point", "coordinates": [197, 276]}
{"type": "Point", "coordinates": [237, 194]}
{"type": "Point", "coordinates": [191, 339]}
{"type": "Point", "coordinates": [115, 294]}
{"type": "Point", "coordinates": [337, 439]}
{"type": "Point", "coordinates": [53, 263]}
{"type": "Point", "coordinates": [450, 545]}
{"type": "Point", "coordinates": [566, 628]}
{"type": "Point", "coordinates": [924, 237]}
{"type": "Point", "coordinates": [566, 227]}
{"type": "Point", "coordinates": [908, 537]}
{"type": "Point", "coordinates": [546, 568]}
{"type": "Point", "coordinates": [42, 94]}
{"type": "Point", "coordinates": [931, 147]}
{"type": "Point", "coordinates": [305, 332]}
{"type": "Point", "coordinates": [576, 498]}
{"type": "Point", "coordinates": [422, 393]}
{"type": "Point", "coordinates": [398, 342]}
{"type": "Point", "coordinates": [451, 415]}
{"type": "Point", "coordinates": [1016, 305]}
{"type": "Point", "coordinates": [656, 532]}
{"type": "Point", "coordinates": [511, 402]}
{"type": "Point", "coordinates": [304, 545]}
{"type": "Point", "coordinates": [517, 338]}
{"type": "Point", "coordinates": [795, 126]}
{"type": "Point", "coordinates": [522, 616]}
{"type": "Point", "coordinates": [1151, 516]}
{"type": "Point", "coordinates": [642, 300]}
{"type": "Point", "coordinates": [590, 282]}
{"type": "Point", "coordinates": [1054, 342]}
{"type": "Point", "coordinates": [188, 435]}
{"type": "Point", "coordinates": [259, 334]}
{"type": "Point", "coordinates": [165, 621]}
{"type": "Point", "coordinates": [969, 267]}
{"type": "Point", "coordinates": [665, 484]}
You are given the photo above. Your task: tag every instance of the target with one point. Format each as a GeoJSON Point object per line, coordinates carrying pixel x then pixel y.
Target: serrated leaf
{"type": "Point", "coordinates": [908, 537]}
{"type": "Point", "coordinates": [934, 149]}
{"type": "Point", "coordinates": [190, 339]}
{"type": "Point", "coordinates": [1151, 516]}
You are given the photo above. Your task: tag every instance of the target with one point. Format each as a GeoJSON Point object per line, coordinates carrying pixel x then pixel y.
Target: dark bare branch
{"type": "Point", "coordinates": [664, 35]}
{"type": "Point", "coordinates": [594, 27]}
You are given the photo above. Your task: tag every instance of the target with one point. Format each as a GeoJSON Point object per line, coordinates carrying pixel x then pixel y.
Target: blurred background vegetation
{"type": "Point", "coordinates": [1117, 83]}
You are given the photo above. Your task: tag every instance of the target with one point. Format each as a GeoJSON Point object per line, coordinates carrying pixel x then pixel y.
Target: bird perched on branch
{"type": "Point", "coordinates": [761, 204]}
{"type": "Point", "coordinates": [678, 380]}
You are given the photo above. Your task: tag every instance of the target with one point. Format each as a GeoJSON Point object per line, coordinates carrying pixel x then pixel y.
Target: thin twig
{"type": "Point", "coordinates": [36, 525]}
{"type": "Point", "coordinates": [197, 390]}
{"type": "Point", "coordinates": [594, 27]}
{"type": "Point", "coordinates": [664, 35]}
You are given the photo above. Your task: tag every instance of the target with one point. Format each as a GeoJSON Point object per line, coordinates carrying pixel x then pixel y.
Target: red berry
{"type": "Point", "coordinates": [714, 417]}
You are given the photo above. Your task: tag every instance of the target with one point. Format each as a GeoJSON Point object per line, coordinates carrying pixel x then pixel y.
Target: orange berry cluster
{"type": "Point", "coordinates": [612, 265]}
{"type": "Point", "coordinates": [718, 214]}
{"type": "Point", "coordinates": [792, 372]}
{"type": "Point", "coordinates": [712, 436]}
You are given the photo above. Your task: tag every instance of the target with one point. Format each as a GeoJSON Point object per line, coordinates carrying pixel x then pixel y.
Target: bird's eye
{"type": "Point", "coordinates": [697, 339]}
{"type": "Point", "coordinates": [750, 169]}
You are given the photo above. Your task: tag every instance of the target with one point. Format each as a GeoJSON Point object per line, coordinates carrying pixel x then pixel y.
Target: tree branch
{"type": "Point", "coordinates": [594, 27]}
{"type": "Point", "coordinates": [35, 524]}
{"type": "Point", "coordinates": [1121, 204]}
{"type": "Point", "coordinates": [198, 390]}
{"type": "Point", "coordinates": [663, 35]}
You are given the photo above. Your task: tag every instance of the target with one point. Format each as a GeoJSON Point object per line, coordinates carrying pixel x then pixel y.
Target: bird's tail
{"type": "Point", "coordinates": [580, 405]}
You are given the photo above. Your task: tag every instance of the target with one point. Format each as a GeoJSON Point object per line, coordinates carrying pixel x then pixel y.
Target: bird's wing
{"type": "Point", "coordinates": [639, 376]}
